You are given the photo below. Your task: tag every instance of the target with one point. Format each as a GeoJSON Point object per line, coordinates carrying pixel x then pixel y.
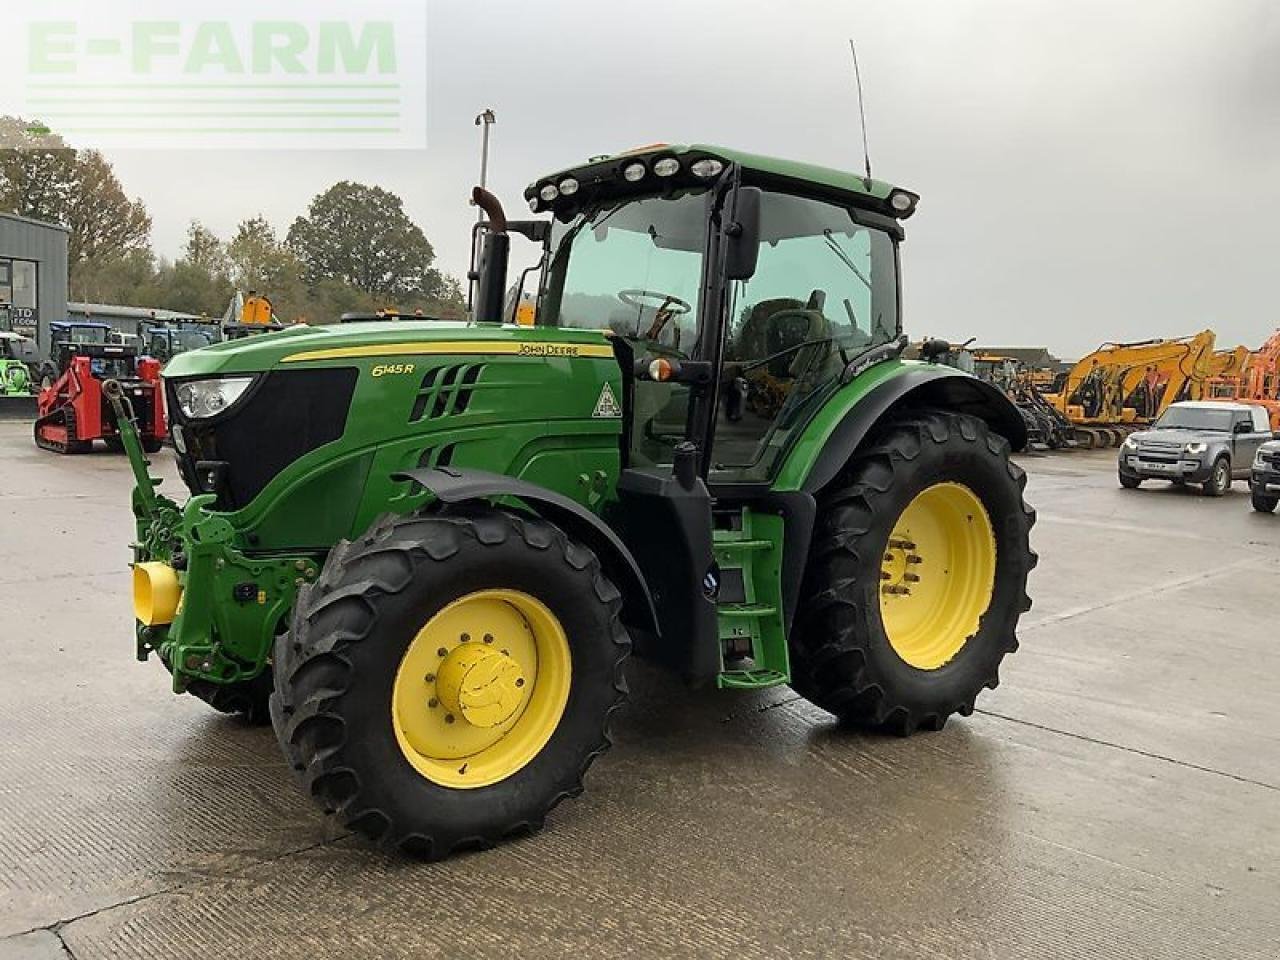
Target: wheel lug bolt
{"type": "Point", "coordinates": [448, 718]}
{"type": "Point", "coordinates": [433, 703]}
{"type": "Point", "coordinates": [488, 638]}
{"type": "Point", "coordinates": [442, 652]}
{"type": "Point", "coordinates": [430, 678]}
{"type": "Point", "coordinates": [885, 575]}
{"type": "Point", "coordinates": [911, 578]}
{"type": "Point", "coordinates": [465, 638]}
{"type": "Point", "coordinates": [519, 681]}
{"type": "Point", "coordinates": [912, 558]}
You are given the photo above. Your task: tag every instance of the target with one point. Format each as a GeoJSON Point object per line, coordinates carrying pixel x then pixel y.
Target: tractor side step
{"type": "Point", "coordinates": [753, 643]}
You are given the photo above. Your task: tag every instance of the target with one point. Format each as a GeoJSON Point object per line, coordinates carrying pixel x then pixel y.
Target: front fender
{"type": "Point", "coordinates": [839, 429]}
{"type": "Point", "coordinates": [452, 486]}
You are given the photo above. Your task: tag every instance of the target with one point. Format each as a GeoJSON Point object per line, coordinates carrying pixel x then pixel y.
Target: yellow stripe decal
{"type": "Point", "coordinates": [520, 348]}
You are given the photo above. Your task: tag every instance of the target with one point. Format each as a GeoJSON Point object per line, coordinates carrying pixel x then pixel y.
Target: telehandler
{"type": "Point", "coordinates": [426, 549]}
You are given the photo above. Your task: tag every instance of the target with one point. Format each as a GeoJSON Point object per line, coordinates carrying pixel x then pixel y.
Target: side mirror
{"type": "Point", "coordinates": [744, 235]}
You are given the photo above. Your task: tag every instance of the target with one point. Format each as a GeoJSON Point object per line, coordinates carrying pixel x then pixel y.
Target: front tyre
{"type": "Point", "coordinates": [1219, 481]}
{"type": "Point", "coordinates": [449, 678]}
{"type": "Point", "coordinates": [1262, 503]}
{"type": "Point", "coordinates": [917, 575]}
{"type": "Point", "coordinates": [1129, 481]}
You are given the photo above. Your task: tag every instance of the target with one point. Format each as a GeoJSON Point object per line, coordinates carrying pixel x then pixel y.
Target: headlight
{"type": "Point", "coordinates": [1258, 461]}
{"type": "Point", "coordinates": [199, 399]}
{"type": "Point", "coordinates": [1131, 442]}
{"type": "Point", "coordinates": [1195, 448]}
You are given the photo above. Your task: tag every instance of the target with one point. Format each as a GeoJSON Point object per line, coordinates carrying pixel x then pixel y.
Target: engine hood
{"type": "Point", "coordinates": [383, 341]}
{"type": "Point", "coordinates": [1179, 435]}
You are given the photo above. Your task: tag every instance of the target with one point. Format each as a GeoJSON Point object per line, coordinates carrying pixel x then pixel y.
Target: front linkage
{"type": "Point", "coordinates": [198, 635]}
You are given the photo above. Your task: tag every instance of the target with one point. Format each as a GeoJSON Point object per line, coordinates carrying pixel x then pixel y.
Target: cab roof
{"type": "Point", "coordinates": [853, 185]}
{"type": "Point", "coordinates": [1216, 405]}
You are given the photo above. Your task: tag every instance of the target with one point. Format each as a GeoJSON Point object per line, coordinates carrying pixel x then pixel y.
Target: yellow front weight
{"type": "Point", "coordinates": [156, 593]}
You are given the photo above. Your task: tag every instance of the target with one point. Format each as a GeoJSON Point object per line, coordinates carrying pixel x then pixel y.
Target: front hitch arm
{"type": "Point", "coordinates": [145, 484]}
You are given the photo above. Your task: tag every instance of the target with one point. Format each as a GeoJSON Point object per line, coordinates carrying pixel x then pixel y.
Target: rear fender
{"type": "Point", "coordinates": [452, 486]}
{"type": "Point", "coordinates": [888, 389]}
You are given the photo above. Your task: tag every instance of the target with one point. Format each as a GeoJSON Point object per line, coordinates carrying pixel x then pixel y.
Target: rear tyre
{"type": "Point", "coordinates": [1262, 503]}
{"type": "Point", "coordinates": [1219, 481]}
{"type": "Point", "coordinates": [917, 575]}
{"type": "Point", "coordinates": [151, 444]}
{"type": "Point", "coordinates": [1129, 481]}
{"type": "Point", "coordinates": [450, 678]}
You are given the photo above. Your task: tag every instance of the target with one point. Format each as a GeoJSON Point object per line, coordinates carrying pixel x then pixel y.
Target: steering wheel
{"type": "Point", "coordinates": [658, 301]}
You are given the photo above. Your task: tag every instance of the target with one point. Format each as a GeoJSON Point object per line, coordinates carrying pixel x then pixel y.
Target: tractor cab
{"type": "Point", "coordinates": [166, 342]}
{"type": "Point", "coordinates": [736, 295]}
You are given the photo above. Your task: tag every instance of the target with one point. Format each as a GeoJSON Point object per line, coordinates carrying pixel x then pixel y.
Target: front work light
{"type": "Point", "coordinates": [633, 172]}
{"type": "Point", "coordinates": [548, 192]}
{"type": "Point", "coordinates": [706, 168]}
{"type": "Point", "coordinates": [568, 187]}
{"type": "Point", "coordinates": [667, 167]}
{"type": "Point", "coordinates": [903, 202]}
{"type": "Point", "coordinates": [199, 399]}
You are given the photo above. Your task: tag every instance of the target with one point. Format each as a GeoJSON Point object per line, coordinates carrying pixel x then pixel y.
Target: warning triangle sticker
{"type": "Point", "coordinates": [607, 405]}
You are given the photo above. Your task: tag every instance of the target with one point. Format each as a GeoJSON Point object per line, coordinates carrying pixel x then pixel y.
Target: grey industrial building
{"type": "Point", "coordinates": [33, 276]}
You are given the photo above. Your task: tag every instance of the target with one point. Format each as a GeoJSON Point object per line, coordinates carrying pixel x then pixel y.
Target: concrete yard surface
{"type": "Point", "coordinates": [1118, 796]}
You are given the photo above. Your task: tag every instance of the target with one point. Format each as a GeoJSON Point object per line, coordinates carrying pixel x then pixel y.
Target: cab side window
{"type": "Point", "coordinates": [824, 290]}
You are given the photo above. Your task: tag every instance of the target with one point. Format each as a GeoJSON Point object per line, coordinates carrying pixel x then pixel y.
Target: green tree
{"type": "Point", "coordinates": [259, 261]}
{"type": "Point", "coordinates": [361, 236]}
{"type": "Point", "coordinates": [42, 177]}
{"type": "Point", "coordinates": [200, 280]}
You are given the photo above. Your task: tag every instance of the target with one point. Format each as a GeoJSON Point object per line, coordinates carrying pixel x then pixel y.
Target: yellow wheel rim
{"type": "Point", "coordinates": [937, 575]}
{"type": "Point", "coordinates": [481, 688]}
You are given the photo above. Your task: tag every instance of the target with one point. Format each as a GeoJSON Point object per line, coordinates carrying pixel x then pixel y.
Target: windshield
{"type": "Point", "coordinates": [1195, 418]}
{"type": "Point", "coordinates": [82, 335]}
{"type": "Point", "coordinates": [633, 268]}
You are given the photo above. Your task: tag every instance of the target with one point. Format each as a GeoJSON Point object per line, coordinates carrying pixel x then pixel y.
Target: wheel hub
{"type": "Point", "coordinates": [937, 575]}
{"type": "Point", "coordinates": [483, 686]}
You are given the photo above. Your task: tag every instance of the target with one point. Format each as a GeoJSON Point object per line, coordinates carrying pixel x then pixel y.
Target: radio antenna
{"type": "Point", "coordinates": [862, 112]}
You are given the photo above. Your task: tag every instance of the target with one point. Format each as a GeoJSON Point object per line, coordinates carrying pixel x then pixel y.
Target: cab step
{"type": "Point", "coordinates": [753, 643]}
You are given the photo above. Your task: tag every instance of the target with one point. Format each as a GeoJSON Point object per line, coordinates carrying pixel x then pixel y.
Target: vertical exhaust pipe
{"type": "Point", "coordinates": [491, 273]}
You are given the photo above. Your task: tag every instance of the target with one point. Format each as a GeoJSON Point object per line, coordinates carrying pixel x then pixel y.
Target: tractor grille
{"type": "Point", "coordinates": [445, 391]}
{"type": "Point", "coordinates": [286, 415]}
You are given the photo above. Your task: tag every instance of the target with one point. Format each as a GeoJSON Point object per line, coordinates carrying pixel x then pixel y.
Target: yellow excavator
{"type": "Point", "coordinates": [1121, 386]}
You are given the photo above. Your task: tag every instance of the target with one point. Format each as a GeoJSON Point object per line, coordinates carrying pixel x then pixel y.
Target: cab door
{"type": "Point", "coordinates": [1250, 430]}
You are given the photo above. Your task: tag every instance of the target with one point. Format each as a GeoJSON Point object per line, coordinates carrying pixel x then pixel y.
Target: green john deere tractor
{"type": "Point", "coordinates": [425, 550]}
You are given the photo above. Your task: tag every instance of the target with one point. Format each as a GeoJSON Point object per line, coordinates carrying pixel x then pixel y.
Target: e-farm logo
{"type": "Point", "coordinates": [269, 74]}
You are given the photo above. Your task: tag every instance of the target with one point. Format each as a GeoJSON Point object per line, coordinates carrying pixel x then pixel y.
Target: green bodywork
{"type": "Point", "coordinates": [541, 404]}
{"type": "Point", "coordinates": [529, 415]}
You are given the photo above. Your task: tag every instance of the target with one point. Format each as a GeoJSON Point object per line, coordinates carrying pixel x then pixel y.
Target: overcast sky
{"type": "Point", "coordinates": [1090, 170]}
